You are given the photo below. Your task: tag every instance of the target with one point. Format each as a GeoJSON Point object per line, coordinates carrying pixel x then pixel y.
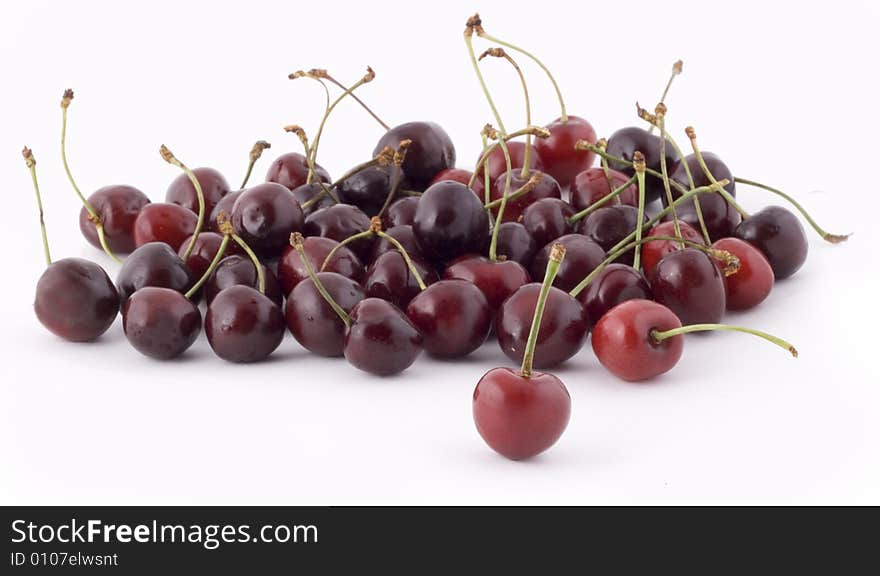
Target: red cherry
{"type": "Point", "coordinates": [163, 222]}
{"type": "Point", "coordinates": [292, 271]}
{"type": "Point", "coordinates": [558, 154]}
{"type": "Point", "coordinates": [754, 279]}
{"type": "Point", "coordinates": [453, 317]}
{"type": "Point", "coordinates": [118, 207]}
{"type": "Point", "coordinates": [292, 170]}
{"type": "Point", "coordinates": [182, 192]}
{"type": "Point", "coordinates": [592, 185]}
{"type": "Point", "coordinates": [496, 280]}
{"type": "Point", "coordinates": [464, 177]}
{"type": "Point", "coordinates": [653, 251]}
{"type": "Point", "coordinates": [517, 151]}
{"type": "Point", "coordinates": [546, 188]}
{"type": "Point", "coordinates": [691, 285]}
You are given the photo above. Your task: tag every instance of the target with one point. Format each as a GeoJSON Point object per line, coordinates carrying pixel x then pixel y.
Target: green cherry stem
{"type": "Point", "coordinates": [639, 164]}
{"type": "Point", "coordinates": [261, 276]}
{"type": "Point", "coordinates": [396, 175]}
{"type": "Point", "coordinates": [338, 84]}
{"type": "Point", "coordinates": [32, 166]}
{"type": "Point", "coordinates": [692, 136]}
{"type": "Point", "coordinates": [664, 170]}
{"type": "Point", "coordinates": [537, 131]}
{"type": "Point", "coordinates": [169, 157]}
{"type": "Point", "coordinates": [384, 158]}
{"type": "Point", "coordinates": [601, 202]}
{"type": "Point", "coordinates": [658, 336]}
{"type": "Point", "coordinates": [557, 255]}
{"type": "Point", "coordinates": [530, 185]}
{"type": "Point", "coordinates": [377, 224]}
{"type": "Point", "coordinates": [254, 155]}
{"type": "Point", "coordinates": [587, 145]}
{"type": "Point", "coordinates": [325, 191]}
{"type": "Point", "coordinates": [368, 233]}
{"type": "Point", "coordinates": [227, 230]}
{"type": "Point", "coordinates": [676, 71]}
{"type": "Point", "coordinates": [296, 240]}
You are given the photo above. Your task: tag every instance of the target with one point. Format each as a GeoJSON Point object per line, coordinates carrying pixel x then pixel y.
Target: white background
{"type": "Point", "coordinates": [786, 94]}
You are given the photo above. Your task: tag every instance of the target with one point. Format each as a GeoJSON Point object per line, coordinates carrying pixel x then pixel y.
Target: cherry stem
{"type": "Point", "coordinates": [500, 53]}
{"type": "Point", "coordinates": [676, 70]}
{"type": "Point", "coordinates": [338, 84]}
{"type": "Point", "coordinates": [409, 263]}
{"type": "Point", "coordinates": [32, 166]}
{"type": "Point", "coordinates": [325, 191]}
{"type": "Point", "coordinates": [396, 175]}
{"type": "Point", "coordinates": [587, 145]}
{"type": "Point", "coordinates": [93, 215]}
{"type": "Point", "coordinates": [533, 181]}
{"type": "Point", "coordinates": [221, 251]}
{"type": "Point", "coordinates": [499, 219]}
{"type": "Point", "coordinates": [603, 162]}
{"type": "Point", "coordinates": [692, 135]}
{"type": "Point", "coordinates": [470, 47]}
{"type": "Point", "coordinates": [368, 233]}
{"type": "Point", "coordinates": [296, 240]}
{"type": "Point", "coordinates": [639, 163]}
{"type": "Point", "coordinates": [475, 23]}
{"type": "Point", "coordinates": [601, 202]}
{"type": "Point", "coordinates": [261, 277]}
{"type": "Point", "coordinates": [827, 236]}
{"type": "Point", "coordinates": [384, 158]}
{"type": "Point", "coordinates": [661, 336]}
{"type": "Point", "coordinates": [537, 131]}
{"type": "Point", "coordinates": [664, 170]}
{"type": "Point", "coordinates": [169, 157]}
{"type": "Point", "coordinates": [484, 164]}
{"type": "Point", "coordinates": [557, 255]}
{"type": "Point", "coordinates": [255, 154]}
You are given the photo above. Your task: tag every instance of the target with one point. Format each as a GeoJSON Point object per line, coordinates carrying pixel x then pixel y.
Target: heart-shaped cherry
{"type": "Point", "coordinates": [496, 280]}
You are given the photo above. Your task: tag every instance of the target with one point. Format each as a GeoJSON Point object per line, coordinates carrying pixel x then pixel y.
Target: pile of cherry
{"type": "Point", "coordinates": [406, 252]}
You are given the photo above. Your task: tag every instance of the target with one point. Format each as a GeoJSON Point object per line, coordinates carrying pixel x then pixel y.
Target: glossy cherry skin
{"type": "Point", "coordinates": [163, 222]}
{"type": "Point", "coordinates": [224, 205]}
{"type": "Point", "coordinates": [118, 206]}
{"type": "Point", "coordinates": [780, 236]}
{"type": "Point", "coordinates": [627, 141]}
{"type": "Point", "coordinates": [592, 185]}
{"type": "Point", "coordinates": [292, 271]}
{"type": "Point", "coordinates": [548, 187]}
{"type": "Point", "coordinates": [160, 323]}
{"type": "Point", "coordinates": [623, 344]}
{"type": "Point", "coordinates": [76, 300]}
{"type": "Point", "coordinates": [464, 177]}
{"type": "Point", "coordinates": [453, 317]}
{"type": "Point", "coordinates": [608, 226]}
{"type": "Point", "coordinates": [183, 193]}
{"type": "Point", "coordinates": [582, 256]}
{"type": "Point", "coordinates": [242, 325]}
{"type": "Point", "coordinates": [367, 189]}
{"type": "Point", "coordinates": [655, 250]}
{"type": "Point", "coordinates": [307, 193]}
{"type": "Point", "coordinates": [238, 270]}
{"type": "Point", "coordinates": [547, 219]}
{"type": "Point", "coordinates": [520, 417]}
{"type": "Point", "coordinates": [715, 165]}
{"type": "Point", "coordinates": [404, 235]}
{"type": "Point", "coordinates": [338, 222]}
{"type": "Point", "coordinates": [563, 327]}
{"type": "Point", "coordinates": [558, 153]}
{"type": "Point", "coordinates": [754, 279]}
{"type": "Point", "coordinates": [389, 278]}
{"type": "Point", "coordinates": [689, 283]}
{"type": "Point", "coordinates": [207, 245]}
{"type": "Point", "coordinates": [401, 212]}
{"type": "Point", "coordinates": [517, 151]}
{"type": "Point", "coordinates": [450, 221]}
{"type": "Point", "coordinates": [616, 283]}
{"type": "Point", "coordinates": [515, 243]}
{"type": "Point", "coordinates": [265, 216]}
{"type": "Point", "coordinates": [430, 152]}
{"type": "Point", "coordinates": [496, 280]}
{"type": "Point", "coordinates": [720, 217]}
{"type": "Point", "coordinates": [291, 170]}
{"type": "Point", "coordinates": [312, 321]}
{"type": "Point", "coordinates": [381, 339]}
{"type": "Point", "coordinates": [153, 264]}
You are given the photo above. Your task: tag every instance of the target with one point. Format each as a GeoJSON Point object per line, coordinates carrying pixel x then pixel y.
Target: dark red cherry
{"type": "Point", "coordinates": [463, 177]}
{"type": "Point", "coordinates": [592, 185]}
{"type": "Point", "coordinates": [450, 221]}
{"type": "Point", "coordinates": [389, 278]}
{"type": "Point", "coordinates": [654, 250]}
{"type": "Point", "coordinates": [183, 193]}
{"type": "Point", "coordinates": [308, 192]}
{"type": "Point", "coordinates": [520, 417]}
{"type": "Point", "coordinates": [160, 323]}
{"type": "Point", "coordinates": [118, 206]}
{"type": "Point", "coordinates": [243, 325]}
{"type": "Point", "coordinates": [76, 300]}
{"type": "Point", "coordinates": [338, 222]}
{"type": "Point", "coordinates": [517, 151]}
{"type": "Point", "coordinates": [237, 270]}
{"type": "Point", "coordinates": [627, 141]}
{"type": "Point", "coordinates": [367, 189]}
{"type": "Point", "coordinates": [582, 256]}
{"type": "Point", "coordinates": [401, 212]}
{"type": "Point", "coordinates": [430, 152]}
{"type": "Point", "coordinates": [291, 170]}
{"type": "Point", "coordinates": [153, 264]}
{"type": "Point", "coordinates": [558, 154]}
{"type": "Point", "coordinates": [720, 217]}
{"type": "Point", "coordinates": [689, 283]}
{"type": "Point", "coordinates": [547, 219]}
{"type": "Point", "coordinates": [381, 340]}
{"type": "Point", "coordinates": [548, 187]}
{"type": "Point", "coordinates": [163, 222]}
{"type": "Point", "coordinates": [616, 283]}
{"type": "Point", "coordinates": [224, 205]}
{"type": "Point", "coordinates": [312, 321]}
{"type": "Point", "coordinates": [292, 271]}
{"type": "Point", "coordinates": [608, 226]}
{"type": "Point", "coordinates": [265, 216]}
{"type": "Point", "coordinates": [403, 234]}
{"type": "Point", "coordinates": [207, 245]}
{"type": "Point", "coordinates": [623, 343]}
{"type": "Point", "coordinates": [515, 243]}
{"type": "Point", "coordinates": [780, 236]}
{"type": "Point", "coordinates": [753, 280]}
{"type": "Point", "coordinates": [496, 280]}
{"type": "Point", "coordinates": [716, 166]}
{"type": "Point", "coordinates": [562, 332]}
{"type": "Point", "coordinates": [453, 317]}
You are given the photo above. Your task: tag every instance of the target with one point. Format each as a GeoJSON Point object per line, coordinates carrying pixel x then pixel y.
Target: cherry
{"type": "Point", "coordinates": [453, 317]}
{"type": "Point", "coordinates": [292, 271]}
{"type": "Point", "coordinates": [654, 250]}
{"type": "Point", "coordinates": [160, 322]}
{"type": "Point", "coordinates": [780, 236]}
{"type": "Point", "coordinates": [366, 189]}
{"type": "Point", "coordinates": [163, 222]}
{"type": "Point", "coordinates": [430, 152]}
{"type": "Point", "coordinates": [390, 278]}
{"type": "Point", "coordinates": [117, 207]}
{"type": "Point", "coordinates": [243, 325]}
{"type": "Point", "coordinates": [753, 280]}
{"type": "Point", "coordinates": [610, 225]}
{"type": "Point", "coordinates": [153, 264]}
{"type": "Point", "coordinates": [224, 205]}
{"type": "Point", "coordinates": [716, 166]}
{"type": "Point", "coordinates": [380, 339]}
{"type": "Point", "coordinates": [497, 165]}
{"type": "Point", "coordinates": [546, 187]}
{"type": "Point", "coordinates": [689, 283]}
{"type": "Point", "coordinates": [558, 154]}
{"type": "Point", "coordinates": [312, 197]}
{"type": "Point", "coordinates": [183, 193]}
{"type": "Point", "coordinates": [265, 216]}
{"type": "Point", "coordinates": [450, 221]}
{"type": "Point", "coordinates": [614, 284]}
{"type": "Point", "coordinates": [338, 222]}
{"type": "Point", "coordinates": [591, 186]}
{"type": "Point", "coordinates": [291, 170]}
{"type": "Point", "coordinates": [720, 217]}
{"type": "Point", "coordinates": [582, 256]}
{"type": "Point", "coordinates": [238, 270]}
{"type": "Point", "coordinates": [496, 280]}
{"type": "Point", "coordinates": [403, 234]}
{"type": "Point", "coordinates": [463, 177]}
{"type": "Point", "coordinates": [627, 141]}
{"type": "Point", "coordinates": [310, 318]}
{"type": "Point", "coordinates": [515, 243]}
{"type": "Point", "coordinates": [401, 212]}
{"type": "Point", "coordinates": [204, 251]}
{"type": "Point", "coordinates": [547, 219]}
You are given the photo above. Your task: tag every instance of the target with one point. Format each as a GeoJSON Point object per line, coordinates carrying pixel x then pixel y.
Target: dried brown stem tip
{"type": "Point", "coordinates": [375, 224]}
{"type": "Point", "coordinates": [28, 157]}
{"type": "Point", "coordinates": [660, 110]}
{"type": "Point", "coordinates": [299, 132]}
{"type": "Point", "coordinates": [167, 155]}
{"type": "Point", "coordinates": [677, 67]}
{"type": "Point", "coordinates": [474, 24]}
{"type": "Point", "coordinates": [691, 133]}
{"type": "Point", "coordinates": [835, 238]}
{"type": "Point", "coordinates": [557, 252]}
{"type": "Point", "coordinates": [645, 115]}
{"type": "Point", "coordinates": [496, 52]}
{"type": "Point", "coordinates": [602, 143]}
{"type": "Point", "coordinates": [224, 224]}
{"type": "Point", "coordinates": [533, 182]}
{"type": "Point", "coordinates": [258, 148]}
{"type": "Point", "coordinates": [296, 240]}
{"type": "Point", "coordinates": [385, 157]}
{"type": "Point", "coordinates": [729, 261]}
{"type": "Point", "coordinates": [297, 74]}
{"type": "Point", "coordinates": [538, 131]}
{"type": "Point", "coordinates": [489, 132]}
{"type": "Point", "coordinates": [319, 73]}
{"type": "Point", "coordinates": [639, 162]}
{"type": "Point", "coordinates": [369, 76]}
{"type": "Point", "coordinates": [66, 98]}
